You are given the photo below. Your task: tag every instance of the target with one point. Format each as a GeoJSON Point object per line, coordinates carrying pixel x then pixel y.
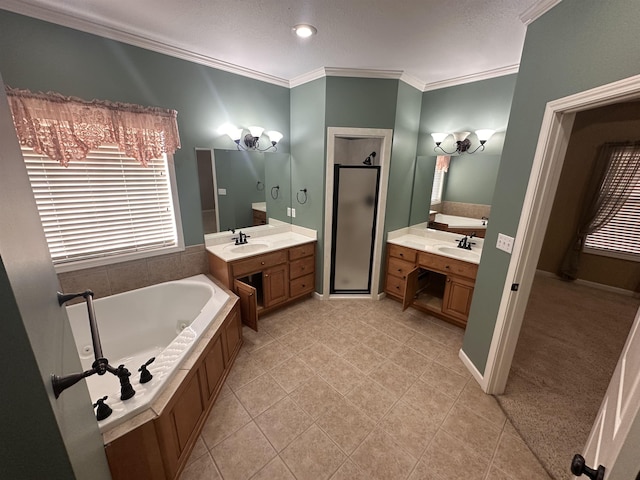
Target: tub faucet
{"type": "Point", "coordinates": [101, 364]}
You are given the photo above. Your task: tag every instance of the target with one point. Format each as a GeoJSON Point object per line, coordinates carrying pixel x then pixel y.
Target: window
{"type": "Point", "coordinates": [621, 236]}
{"type": "Point", "coordinates": [104, 207]}
{"type": "Point", "coordinates": [438, 183]}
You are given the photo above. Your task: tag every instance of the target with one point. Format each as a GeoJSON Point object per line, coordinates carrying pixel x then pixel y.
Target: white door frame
{"type": "Point", "coordinates": [543, 182]}
{"type": "Point", "coordinates": [385, 135]}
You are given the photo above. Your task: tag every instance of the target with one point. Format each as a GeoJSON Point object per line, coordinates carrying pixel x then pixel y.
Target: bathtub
{"type": "Point", "coordinates": [162, 321]}
{"type": "Point", "coordinates": [454, 221]}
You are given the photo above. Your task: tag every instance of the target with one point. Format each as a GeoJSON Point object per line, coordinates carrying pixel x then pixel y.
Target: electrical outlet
{"type": "Point", "coordinates": [288, 211]}
{"type": "Point", "coordinates": [293, 212]}
{"type": "Point", "coordinates": [222, 191]}
{"type": "Point", "coordinates": [505, 243]}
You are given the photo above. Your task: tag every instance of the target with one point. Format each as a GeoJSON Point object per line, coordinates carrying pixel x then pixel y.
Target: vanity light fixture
{"type": "Point", "coordinates": [251, 141]}
{"type": "Point", "coordinates": [463, 144]}
{"type": "Point", "coordinates": [304, 30]}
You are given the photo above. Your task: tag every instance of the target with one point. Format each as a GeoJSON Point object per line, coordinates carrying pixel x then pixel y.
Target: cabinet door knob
{"type": "Point", "coordinates": [261, 263]}
{"type": "Point", "coordinates": [266, 276]}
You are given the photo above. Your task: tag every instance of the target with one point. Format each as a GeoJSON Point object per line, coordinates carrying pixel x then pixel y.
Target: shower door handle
{"type": "Point", "coordinates": [579, 467]}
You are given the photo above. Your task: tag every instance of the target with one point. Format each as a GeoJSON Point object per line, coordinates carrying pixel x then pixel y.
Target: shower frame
{"type": "Point", "coordinates": [385, 136]}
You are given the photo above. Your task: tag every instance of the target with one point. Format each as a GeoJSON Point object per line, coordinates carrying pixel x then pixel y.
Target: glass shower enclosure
{"type": "Point", "coordinates": [354, 225]}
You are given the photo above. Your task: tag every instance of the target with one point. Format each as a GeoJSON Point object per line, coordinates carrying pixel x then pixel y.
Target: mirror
{"type": "Point", "coordinates": [240, 189]}
{"type": "Point", "coordinates": [467, 187]}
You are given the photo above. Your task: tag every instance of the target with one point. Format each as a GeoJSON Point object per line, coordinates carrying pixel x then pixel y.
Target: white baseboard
{"type": "Point", "coordinates": [599, 286]}
{"type": "Point", "coordinates": [472, 369]}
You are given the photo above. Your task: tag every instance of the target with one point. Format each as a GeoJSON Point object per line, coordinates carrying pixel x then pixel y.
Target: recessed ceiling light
{"type": "Point", "coordinates": [304, 30]}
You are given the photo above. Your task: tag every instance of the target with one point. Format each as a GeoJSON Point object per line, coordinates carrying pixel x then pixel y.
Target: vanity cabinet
{"type": "Point", "coordinates": [435, 284]}
{"type": "Point", "coordinates": [259, 217]}
{"type": "Point", "coordinates": [269, 280]}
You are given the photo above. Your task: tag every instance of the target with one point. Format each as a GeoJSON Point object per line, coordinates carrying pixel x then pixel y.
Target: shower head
{"type": "Point", "coordinates": [368, 160]}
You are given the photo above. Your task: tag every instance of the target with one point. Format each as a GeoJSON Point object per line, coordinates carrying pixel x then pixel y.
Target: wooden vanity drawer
{"type": "Point", "coordinates": [404, 253]}
{"type": "Point", "coordinates": [447, 265]}
{"type": "Point", "coordinates": [399, 267]}
{"type": "Point", "coordinates": [301, 267]}
{"type": "Point", "coordinates": [301, 251]}
{"type": "Point", "coordinates": [302, 285]}
{"type": "Point", "coordinates": [395, 286]}
{"type": "Point", "coordinates": [258, 263]}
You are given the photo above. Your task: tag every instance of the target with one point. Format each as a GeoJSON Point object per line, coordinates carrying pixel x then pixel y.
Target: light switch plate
{"type": "Point", "coordinates": [293, 212]}
{"type": "Point", "coordinates": [222, 191]}
{"type": "Point", "coordinates": [288, 211]}
{"type": "Point", "coordinates": [505, 243]}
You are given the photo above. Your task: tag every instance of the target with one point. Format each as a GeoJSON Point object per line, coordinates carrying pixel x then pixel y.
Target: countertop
{"type": "Point", "coordinates": [436, 242]}
{"type": "Point", "coordinates": [259, 244]}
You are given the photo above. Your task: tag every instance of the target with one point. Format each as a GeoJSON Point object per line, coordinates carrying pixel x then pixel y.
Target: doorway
{"type": "Point", "coordinates": [355, 204]}
{"type": "Point", "coordinates": [357, 169]}
{"type": "Point", "coordinates": [573, 332]}
{"type": "Point", "coordinates": [543, 182]}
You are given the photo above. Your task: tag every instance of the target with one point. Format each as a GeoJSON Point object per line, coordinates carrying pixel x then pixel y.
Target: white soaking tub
{"type": "Point", "coordinates": [162, 321]}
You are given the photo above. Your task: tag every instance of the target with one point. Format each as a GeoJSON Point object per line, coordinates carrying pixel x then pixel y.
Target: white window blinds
{"type": "Point", "coordinates": [103, 206]}
{"type": "Point", "coordinates": [622, 234]}
{"type": "Point", "coordinates": [438, 183]}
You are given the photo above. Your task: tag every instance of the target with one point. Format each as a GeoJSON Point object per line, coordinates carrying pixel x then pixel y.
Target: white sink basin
{"type": "Point", "coordinates": [459, 253]}
{"type": "Point", "coordinates": [247, 247]}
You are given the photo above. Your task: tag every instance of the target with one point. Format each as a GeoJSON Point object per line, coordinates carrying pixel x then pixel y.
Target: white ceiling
{"type": "Point", "coordinates": [430, 42]}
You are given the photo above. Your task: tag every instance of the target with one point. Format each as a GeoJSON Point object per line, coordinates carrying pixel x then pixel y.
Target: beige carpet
{"type": "Point", "coordinates": [569, 345]}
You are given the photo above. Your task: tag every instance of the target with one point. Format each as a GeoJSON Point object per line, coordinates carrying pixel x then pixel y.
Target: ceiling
{"type": "Point", "coordinates": [431, 43]}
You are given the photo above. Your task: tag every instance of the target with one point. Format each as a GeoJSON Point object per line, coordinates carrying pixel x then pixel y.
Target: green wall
{"type": "Point", "coordinates": [403, 157]}
{"type": "Point", "coordinates": [308, 159]}
{"type": "Point", "coordinates": [471, 178]}
{"type": "Point", "coordinates": [576, 46]}
{"type": "Point", "coordinates": [466, 108]}
{"type": "Point", "coordinates": [238, 173]}
{"type": "Point", "coordinates": [41, 56]}
{"type": "Point", "coordinates": [361, 102]}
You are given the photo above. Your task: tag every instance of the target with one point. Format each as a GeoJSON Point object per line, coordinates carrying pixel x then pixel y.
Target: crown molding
{"type": "Point", "coordinates": [307, 77]}
{"type": "Point", "coordinates": [475, 77]}
{"type": "Point", "coordinates": [363, 73]}
{"type": "Point", "coordinates": [412, 81]}
{"type": "Point", "coordinates": [356, 73]}
{"type": "Point", "coordinates": [94, 28]}
{"type": "Point", "coordinates": [536, 10]}
{"type": "Point", "coordinates": [89, 26]}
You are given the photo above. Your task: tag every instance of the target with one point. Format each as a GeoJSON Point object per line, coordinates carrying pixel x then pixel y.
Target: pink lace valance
{"type": "Point", "coordinates": [442, 163]}
{"type": "Point", "coordinates": [66, 128]}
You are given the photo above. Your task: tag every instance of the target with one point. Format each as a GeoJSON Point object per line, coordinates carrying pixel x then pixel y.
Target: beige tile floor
{"type": "Point", "coordinates": [356, 389]}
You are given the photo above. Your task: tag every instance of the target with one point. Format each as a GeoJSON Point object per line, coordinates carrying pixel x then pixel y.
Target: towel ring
{"type": "Point", "coordinates": [275, 191]}
{"type": "Point", "coordinates": [258, 186]}
{"type": "Point", "coordinates": [304, 195]}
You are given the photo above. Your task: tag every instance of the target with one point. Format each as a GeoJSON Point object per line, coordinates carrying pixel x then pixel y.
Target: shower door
{"type": "Point", "coordinates": [355, 204]}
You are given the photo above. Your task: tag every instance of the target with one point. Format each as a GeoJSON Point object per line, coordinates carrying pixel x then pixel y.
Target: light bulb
{"type": "Point", "coordinates": [274, 136]}
{"type": "Point", "coordinates": [484, 134]}
{"type": "Point", "coordinates": [304, 30]}
{"type": "Point", "coordinates": [439, 137]}
{"type": "Point", "coordinates": [256, 132]}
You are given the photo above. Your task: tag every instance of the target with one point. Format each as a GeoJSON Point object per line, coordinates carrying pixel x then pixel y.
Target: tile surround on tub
{"type": "Point", "coordinates": [121, 277]}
